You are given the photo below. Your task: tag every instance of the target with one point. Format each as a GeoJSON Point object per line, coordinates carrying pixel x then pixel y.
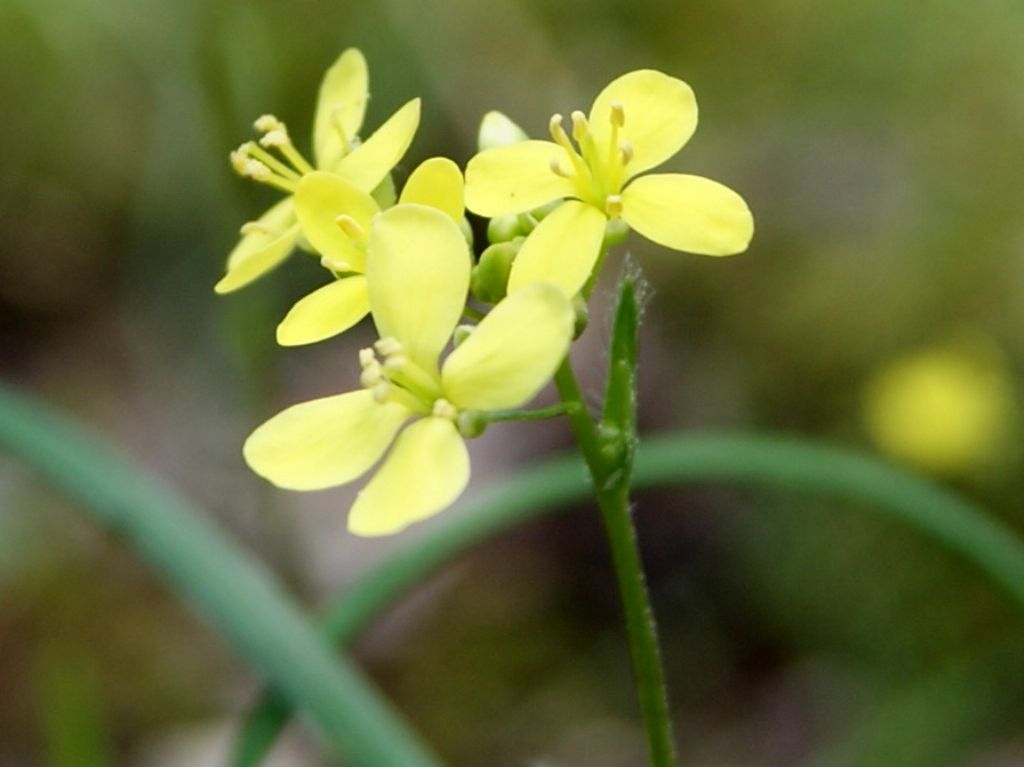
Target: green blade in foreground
{"type": "Point", "coordinates": [234, 592]}
{"type": "Point", "coordinates": [736, 459]}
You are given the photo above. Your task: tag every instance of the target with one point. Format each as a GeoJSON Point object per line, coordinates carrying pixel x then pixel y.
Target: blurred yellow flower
{"type": "Point", "coordinates": [947, 409]}
{"type": "Point", "coordinates": [365, 165]}
{"type": "Point", "coordinates": [417, 272]}
{"type": "Point", "coordinates": [637, 122]}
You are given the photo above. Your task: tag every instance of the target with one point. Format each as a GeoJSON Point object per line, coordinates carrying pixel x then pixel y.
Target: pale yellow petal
{"type": "Point", "coordinates": [341, 106]}
{"type": "Point", "coordinates": [660, 112]}
{"type": "Point", "coordinates": [688, 213]}
{"type": "Point", "coordinates": [325, 312]}
{"type": "Point", "coordinates": [513, 352]}
{"type": "Point", "coordinates": [324, 442]}
{"type": "Point", "coordinates": [424, 473]}
{"type": "Point", "coordinates": [372, 160]}
{"type": "Point", "coordinates": [256, 255]}
{"type": "Point", "coordinates": [437, 183]}
{"type": "Point", "coordinates": [562, 249]}
{"type": "Point", "coordinates": [515, 178]}
{"type": "Point", "coordinates": [417, 266]}
{"type": "Point", "coordinates": [319, 199]}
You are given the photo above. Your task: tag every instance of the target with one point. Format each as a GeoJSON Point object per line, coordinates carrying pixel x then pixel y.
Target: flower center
{"type": "Point", "coordinates": [393, 377]}
{"type": "Point", "coordinates": [597, 172]}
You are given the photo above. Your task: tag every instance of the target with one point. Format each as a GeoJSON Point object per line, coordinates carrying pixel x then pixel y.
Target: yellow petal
{"type": "Point", "coordinates": [325, 312]}
{"type": "Point", "coordinates": [324, 442]}
{"type": "Point", "coordinates": [342, 104]}
{"type": "Point", "coordinates": [255, 255]}
{"type": "Point", "coordinates": [660, 112]}
{"type": "Point", "coordinates": [437, 183]}
{"type": "Point", "coordinates": [514, 178]}
{"type": "Point", "coordinates": [372, 160]}
{"type": "Point", "coordinates": [319, 199]}
{"type": "Point", "coordinates": [513, 352]}
{"type": "Point", "coordinates": [688, 213]}
{"type": "Point", "coordinates": [417, 267]}
{"type": "Point", "coordinates": [562, 249]}
{"type": "Point", "coordinates": [427, 469]}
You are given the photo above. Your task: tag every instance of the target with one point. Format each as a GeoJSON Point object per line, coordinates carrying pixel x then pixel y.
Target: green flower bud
{"type": "Point", "coordinates": [467, 231]}
{"type": "Point", "coordinates": [471, 423]}
{"type": "Point", "coordinates": [496, 130]}
{"type": "Point", "coordinates": [503, 229]}
{"type": "Point", "coordinates": [489, 279]}
{"type": "Point", "coordinates": [615, 233]}
{"type": "Point", "coordinates": [539, 214]}
{"type": "Point", "coordinates": [462, 332]}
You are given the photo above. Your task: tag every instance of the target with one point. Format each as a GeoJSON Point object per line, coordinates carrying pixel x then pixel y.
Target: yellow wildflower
{"type": "Point", "coordinates": [947, 409]}
{"type": "Point", "coordinates": [339, 116]}
{"type": "Point", "coordinates": [417, 269]}
{"type": "Point", "coordinates": [637, 122]}
{"type": "Point", "coordinates": [336, 218]}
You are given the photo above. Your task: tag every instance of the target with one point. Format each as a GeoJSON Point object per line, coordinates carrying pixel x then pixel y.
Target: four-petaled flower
{"type": "Point", "coordinates": [336, 219]}
{"type": "Point", "coordinates": [637, 122]}
{"type": "Point", "coordinates": [417, 268]}
{"type": "Point", "coordinates": [341, 106]}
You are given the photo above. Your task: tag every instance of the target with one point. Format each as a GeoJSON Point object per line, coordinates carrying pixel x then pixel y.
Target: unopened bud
{"type": "Point", "coordinates": [471, 423]}
{"type": "Point", "coordinates": [489, 280]}
{"type": "Point", "coordinates": [503, 229]}
{"type": "Point", "coordinates": [497, 130]}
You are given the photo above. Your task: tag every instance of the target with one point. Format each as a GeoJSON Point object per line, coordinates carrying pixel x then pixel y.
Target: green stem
{"type": "Point", "coordinates": [760, 461]}
{"type": "Point", "coordinates": [232, 589]}
{"type": "Point", "coordinates": [493, 416]}
{"type": "Point", "coordinates": [611, 489]}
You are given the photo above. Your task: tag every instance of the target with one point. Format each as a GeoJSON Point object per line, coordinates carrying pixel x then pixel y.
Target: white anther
{"type": "Point", "coordinates": [268, 123]}
{"type": "Point", "coordinates": [335, 264]}
{"type": "Point", "coordinates": [371, 376]}
{"type": "Point", "coordinates": [626, 152]}
{"type": "Point", "coordinates": [613, 205]}
{"type": "Point", "coordinates": [367, 357]}
{"type": "Point", "coordinates": [557, 169]}
{"type": "Point", "coordinates": [381, 392]}
{"type": "Point", "coordinates": [275, 138]}
{"type": "Point", "coordinates": [388, 346]}
{"type": "Point", "coordinates": [618, 113]}
{"type": "Point", "coordinates": [255, 169]}
{"type": "Point", "coordinates": [255, 227]}
{"type": "Point", "coordinates": [444, 409]}
{"type": "Point", "coordinates": [395, 363]}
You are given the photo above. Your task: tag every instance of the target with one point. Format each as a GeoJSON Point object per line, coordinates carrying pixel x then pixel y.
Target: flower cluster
{"type": "Point", "coordinates": [432, 379]}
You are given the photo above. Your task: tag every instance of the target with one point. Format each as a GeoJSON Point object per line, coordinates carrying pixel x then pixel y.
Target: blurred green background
{"type": "Point", "coordinates": [879, 145]}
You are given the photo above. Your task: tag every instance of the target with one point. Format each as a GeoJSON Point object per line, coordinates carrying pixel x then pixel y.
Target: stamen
{"type": "Point", "coordinates": [626, 152]}
{"type": "Point", "coordinates": [381, 392]}
{"type": "Point", "coordinates": [274, 138]}
{"type": "Point", "coordinates": [557, 169]}
{"type": "Point", "coordinates": [562, 139]}
{"type": "Point", "coordinates": [613, 205]}
{"type": "Point", "coordinates": [255, 169]}
{"type": "Point", "coordinates": [350, 227]}
{"type": "Point", "coordinates": [371, 376]}
{"type": "Point", "coordinates": [580, 126]}
{"type": "Point", "coordinates": [255, 227]}
{"type": "Point", "coordinates": [335, 264]}
{"type": "Point", "coordinates": [444, 409]}
{"type": "Point", "coordinates": [396, 363]}
{"type": "Point", "coordinates": [268, 123]}
{"type": "Point", "coordinates": [367, 357]}
{"type": "Point", "coordinates": [254, 150]}
{"type": "Point", "coordinates": [618, 114]}
{"type": "Point", "coordinates": [388, 346]}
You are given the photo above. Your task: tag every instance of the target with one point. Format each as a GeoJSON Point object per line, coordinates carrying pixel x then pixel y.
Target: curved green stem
{"type": "Point", "coordinates": [233, 591]}
{"type": "Point", "coordinates": [674, 459]}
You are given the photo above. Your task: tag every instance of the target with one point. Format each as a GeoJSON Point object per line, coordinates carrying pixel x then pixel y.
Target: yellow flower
{"type": "Point", "coordinates": [417, 270]}
{"type": "Point", "coordinates": [948, 409]}
{"type": "Point", "coordinates": [336, 218]}
{"type": "Point", "coordinates": [365, 165]}
{"type": "Point", "coordinates": [637, 122]}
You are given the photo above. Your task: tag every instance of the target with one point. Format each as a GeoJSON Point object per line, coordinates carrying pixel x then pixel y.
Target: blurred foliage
{"type": "Point", "coordinates": [878, 144]}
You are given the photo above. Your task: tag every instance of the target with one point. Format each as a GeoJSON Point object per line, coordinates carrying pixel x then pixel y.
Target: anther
{"type": "Point", "coordinates": [371, 376]}
{"type": "Point", "coordinates": [580, 127]}
{"type": "Point", "coordinates": [557, 169]}
{"type": "Point", "coordinates": [388, 346]}
{"type": "Point", "coordinates": [444, 409]}
{"type": "Point", "coordinates": [395, 363]}
{"type": "Point", "coordinates": [618, 114]}
{"type": "Point", "coordinates": [275, 138]}
{"type": "Point", "coordinates": [268, 123]}
{"type": "Point", "coordinates": [557, 131]}
{"type": "Point", "coordinates": [256, 170]}
{"type": "Point", "coordinates": [613, 205]}
{"type": "Point", "coordinates": [335, 264]}
{"type": "Point", "coordinates": [381, 392]}
{"type": "Point", "coordinates": [350, 227]}
{"type": "Point", "coordinates": [367, 357]}
{"type": "Point", "coordinates": [255, 227]}
{"type": "Point", "coordinates": [626, 152]}
{"type": "Point", "coordinates": [240, 157]}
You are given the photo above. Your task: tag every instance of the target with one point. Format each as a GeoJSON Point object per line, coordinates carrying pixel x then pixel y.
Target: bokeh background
{"type": "Point", "coordinates": [879, 145]}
